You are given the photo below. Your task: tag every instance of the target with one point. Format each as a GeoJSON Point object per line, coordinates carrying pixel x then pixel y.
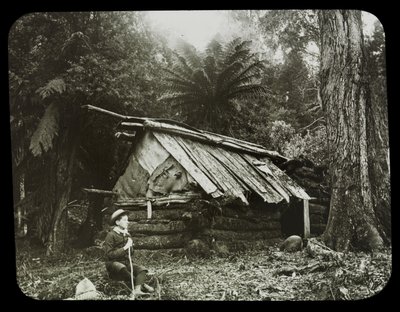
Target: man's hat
{"type": "Point", "coordinates": [116, 214]}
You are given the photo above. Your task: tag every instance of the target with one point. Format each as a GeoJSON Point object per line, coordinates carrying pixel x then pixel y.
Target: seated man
{"type": "Point", "coordinates": [116, 246]}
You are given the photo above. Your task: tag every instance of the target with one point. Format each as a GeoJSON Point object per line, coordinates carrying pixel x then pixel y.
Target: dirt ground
{"type": "Point", "coordinates": [251, 275]}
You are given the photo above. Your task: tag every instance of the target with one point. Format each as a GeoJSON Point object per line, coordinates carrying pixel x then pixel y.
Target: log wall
{"type": "Point", "coordinates": [319, 210]}
{"type": "Point", "coordinates": [241, 228]}
{"type": "Point", "coordinates": [173, 226]}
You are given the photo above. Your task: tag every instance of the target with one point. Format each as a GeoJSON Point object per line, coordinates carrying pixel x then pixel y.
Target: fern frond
{"type": "Point", "coordinates": [251, 71]}
{"type": "Point", "coordinates": [55, 85]}
{"type": "Point", "coordinates": [42, 138]}
{"type": "Point", "coordinates": [247, 90]}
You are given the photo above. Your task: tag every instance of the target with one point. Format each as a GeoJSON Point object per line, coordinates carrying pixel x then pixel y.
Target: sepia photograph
{"type": "Point", "coordinates": [200, 155]}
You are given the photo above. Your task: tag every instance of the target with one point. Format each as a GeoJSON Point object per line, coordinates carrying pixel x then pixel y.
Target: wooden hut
{"type": "Point", "coordinates": [182, 184]}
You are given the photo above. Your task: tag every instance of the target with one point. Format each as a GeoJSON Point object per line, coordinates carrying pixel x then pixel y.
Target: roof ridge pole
{"type": "Point", "coordinates": [104, 111]}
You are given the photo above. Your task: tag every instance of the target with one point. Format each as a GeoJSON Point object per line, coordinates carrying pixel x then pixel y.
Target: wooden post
{"type": "Point", "coordinates": [149, 210]}
{"type": "Point", "coordinates": [306, 217]}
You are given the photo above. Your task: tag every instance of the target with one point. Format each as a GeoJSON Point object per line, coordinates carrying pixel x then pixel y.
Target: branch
{"type": "Point", "coordinates": [304, 128]}
{"type": "Point", "coordinates": [97, 191]}
{"type": "Point", "coordinates": [104, 111]}
{"type": "Point", "coordinates": [125, 135]}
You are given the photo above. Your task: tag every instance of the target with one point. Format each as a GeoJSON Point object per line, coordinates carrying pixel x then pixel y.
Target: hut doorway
{"type": "Point", "coordinates": [292, 220]}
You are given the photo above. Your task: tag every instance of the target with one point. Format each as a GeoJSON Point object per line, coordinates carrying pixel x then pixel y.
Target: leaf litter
{"type": "Point", "coordinates": [251, 275]}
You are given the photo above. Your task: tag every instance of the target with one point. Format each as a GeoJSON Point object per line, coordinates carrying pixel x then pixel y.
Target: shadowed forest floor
{"type": "Point", "coordinates": [251, 275]}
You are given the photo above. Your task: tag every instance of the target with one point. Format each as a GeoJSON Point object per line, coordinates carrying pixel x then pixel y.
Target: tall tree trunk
{"type": "Point", "coordinates": [353, 219]}
{"type": "Point", "coordinates": [92, 223]}
{"type": "Point", "coordinates": [379, 161]}
{"type": "Point", "coordinates": [63, 182]}
{"type": "Point", "coordinates": [55, 190]}
{"type": "Point", "coordinates": [21, 210]}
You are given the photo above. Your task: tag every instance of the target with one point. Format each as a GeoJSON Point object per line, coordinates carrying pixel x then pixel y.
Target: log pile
{"type": "Point", "coordinates": [313, 179]}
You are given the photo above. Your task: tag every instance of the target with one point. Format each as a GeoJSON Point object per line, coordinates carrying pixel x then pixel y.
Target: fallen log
{"type": "Point", "coordinates": [319, 250]}
{"type": "Point", "coordinates": [157, 228]}
{"type": "Point", "coordinates": [232, 224]}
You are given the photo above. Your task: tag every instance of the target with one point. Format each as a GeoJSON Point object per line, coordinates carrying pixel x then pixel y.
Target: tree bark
{"type": "Point", "coordinates": [379, 162]}
{"type": "Point", "coordinates": [55, 191]}
{"type": "Point", "coordinates": [21, 210]}
{"type": "Point", "coordinates": [92, 223]}
{"type": "Point", "coordinates": [63, 172]}
{"type": "Point", "coordinates": [353, 219]}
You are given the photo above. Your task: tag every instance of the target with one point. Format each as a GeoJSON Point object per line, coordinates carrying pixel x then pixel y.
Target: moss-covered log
{"type": "Point", "coordinates": [160, 241]}
{"type": "Point", "coordinates": [158, 214]}
{"type": "Point", "coordinates": [232, 224]}
{"type": "Point", "coordinates": [157, 228]}
{"type": "Point", "coordinates": [251, 214]}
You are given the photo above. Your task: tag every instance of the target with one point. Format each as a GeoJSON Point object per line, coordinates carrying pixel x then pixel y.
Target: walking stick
{"type": "Point", "coordinates": [133, 286]}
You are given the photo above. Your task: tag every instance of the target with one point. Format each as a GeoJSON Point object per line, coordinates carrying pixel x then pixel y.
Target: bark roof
{"type": "Point", "coordinates": [221, 165]}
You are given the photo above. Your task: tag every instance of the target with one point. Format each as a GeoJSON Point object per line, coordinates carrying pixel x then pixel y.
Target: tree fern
{"type": "Point", "coordinates": [56, 85]}
{"type": "Point", "coordinates": [206, 85]}
{"type": "Point", "coordinates": [42, 138]}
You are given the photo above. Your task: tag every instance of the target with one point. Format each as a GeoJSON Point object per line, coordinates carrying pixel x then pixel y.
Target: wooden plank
{"type": "Point", "coordinates": [149, 209]}
{"type": "Point", "coordinates": [159, 201]}
{"type": "Point", "coordinates": [179, 154]}
{"type": "Point", "coordinates": [150, 153]}
{"type": "Point", "coordinates": [306, 216]}
{"type": "Point", "coordinates": [215, 154]}
{"type": "Point", "coordinates": [234, 168]}
{"type": "Point", "coordinates": [268, 175]}
{"type": "Point", "coordinates": [289, 184]}
{"type": "Point", "coordinates": [199, 163]}
{"type": "Point", "coordinates": [253, 175]}
{"type": "Point", "coordinates": [249, 176]}
{"type": "Point", "coordinates": [219, 174]}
